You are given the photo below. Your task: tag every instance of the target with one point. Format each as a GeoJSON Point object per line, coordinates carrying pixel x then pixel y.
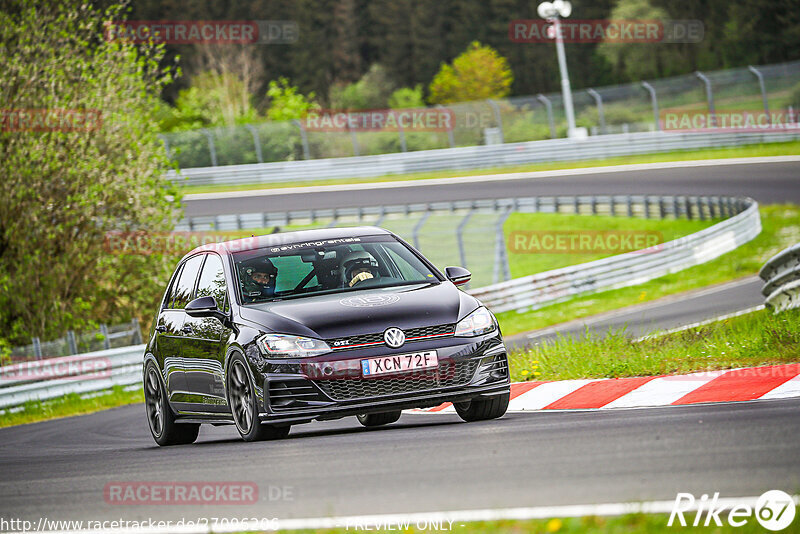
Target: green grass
{"type": "Point", "coordinates": [524, 260]}
{"type": "Point", "coordinates": [758, 338]}
{"type": "Point", "coordinates": [69, 405]}
{"type": "Point", "coordinates": [625, 524]}
{"type": "Point", "coordinates": [771, 149]}
{"type": "Point", "coordinates": [780, 229]}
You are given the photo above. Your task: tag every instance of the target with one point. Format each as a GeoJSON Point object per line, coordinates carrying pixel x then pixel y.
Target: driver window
{"type": "Point", "coordinates": [291, 271]}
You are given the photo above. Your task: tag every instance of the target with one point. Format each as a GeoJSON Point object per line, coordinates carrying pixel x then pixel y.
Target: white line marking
{"type": "Point", "coordinates": [491, 177]}
{"type": "Point", "coordinates": [700, 323]}
{"type": "Point", "coordinates": [380, 521]}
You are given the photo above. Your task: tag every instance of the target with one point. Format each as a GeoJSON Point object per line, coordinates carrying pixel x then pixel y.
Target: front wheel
{"type": "Point", "coordinates": [244, 406]}
{"type": "Point", "coordinates": [483, 409]}
{"type": "Point", "coordinates": [163, 427]}
{"type": "Point", "coordinates": [378, 419]}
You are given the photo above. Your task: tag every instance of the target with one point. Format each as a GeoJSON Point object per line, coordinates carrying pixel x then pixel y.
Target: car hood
{"type": "Point", "coordinates": [363, 312]}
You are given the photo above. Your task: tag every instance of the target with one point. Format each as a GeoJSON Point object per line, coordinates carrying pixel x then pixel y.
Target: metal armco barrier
{"type": "Point", "coordinates": [472, 157]}
{"type": "Point", "coordinates": [781, 275]}
{"type": "Point", "coordinates": [632, 268]}
{"type": "Point", "coordinates": [56, 377]}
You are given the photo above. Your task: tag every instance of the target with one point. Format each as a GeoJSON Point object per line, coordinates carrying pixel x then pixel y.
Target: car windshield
{"type": "Point", "coordinates": [327, 266]}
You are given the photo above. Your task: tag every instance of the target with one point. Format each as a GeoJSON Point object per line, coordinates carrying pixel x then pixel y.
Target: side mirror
{"type": "Point", "coordinates": [204, 307]}
{"type": "Point", "coordinates": [457, 275]}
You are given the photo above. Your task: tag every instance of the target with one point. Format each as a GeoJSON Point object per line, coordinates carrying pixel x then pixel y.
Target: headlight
{"type": "Point", "coordinates": [286, 346]}
{"type": "Point", "coordinates": [476, 323]}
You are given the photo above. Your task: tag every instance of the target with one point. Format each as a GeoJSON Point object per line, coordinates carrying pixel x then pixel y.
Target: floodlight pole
{"type": "Point", "coordinates": [566, 90]}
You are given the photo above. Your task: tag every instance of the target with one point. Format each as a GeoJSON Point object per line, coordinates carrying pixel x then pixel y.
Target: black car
{"type": "Point", "coordinates": [276, 330]}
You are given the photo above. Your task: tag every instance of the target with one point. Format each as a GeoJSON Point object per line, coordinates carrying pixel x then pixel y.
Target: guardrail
{"type": "Point", "coordinates": [56, 377]}
{"type": "Point", "coordinates": [534, 291]}
{"type": "Point", "coordinates": [472, 157]}
{"type": "Point", "coordinates": [781, 275]}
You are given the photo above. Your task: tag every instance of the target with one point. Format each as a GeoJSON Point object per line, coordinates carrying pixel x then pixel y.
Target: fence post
{"type": "Point", "coordinates": [760, 77]}
{"type": "Point", "coordinates": [256, 141]}
{"type": "Point", "coordinates": [462, 253]}
{"type": "Point", "coordinates": [104, 333]}
{"type": "Point", "coordinates": [549, 106]}
{"type": "Point", "coordinates": [450, 137]}
{"type": "Point", "coordinates": [211, 149]}
{"type": "Point", "coordinates": [401, 133]}
{"type": "Point", "coordinates": [418, 227]}
{"type": "Point", "coordinates": [654, 102]}
{"type": "Point", "coordinates": [353, 138]}
{"type": "Point", "coordinates": [497, 118]}
{"type": "Point", "coordinates": [137, 331]}
{"type": "Point", "coordinates": [303, 138]}
{"type": "Point", "coordinates": [37, 348]}
{"type": "Point", "coordinates": [709, 96]}
{"type": "Point", "coordinates": [501, 256]}
{"type": "Point", "coordinates": [166, 145]}
{"type": "Point", "coordinates": [600, 113]}
{"type": "Point", "coordinates": [72, 342]}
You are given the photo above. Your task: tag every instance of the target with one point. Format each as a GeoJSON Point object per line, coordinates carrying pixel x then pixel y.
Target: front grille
{"type": "Point", "coordinates": [292, 392]}
{"type": "Point", "coordinates": [412, 334]}
{"type": "Point", "coordinates": [449, 373]}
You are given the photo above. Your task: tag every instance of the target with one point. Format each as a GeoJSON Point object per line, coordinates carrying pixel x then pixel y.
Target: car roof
{"type": "Point", "coordinates": [283, 238]}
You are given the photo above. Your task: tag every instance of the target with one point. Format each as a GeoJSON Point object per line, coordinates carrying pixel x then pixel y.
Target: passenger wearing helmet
{"type": "Point", "coordinates": [356, 267]}
{"type": "Point", "coordinates": [258, 278]}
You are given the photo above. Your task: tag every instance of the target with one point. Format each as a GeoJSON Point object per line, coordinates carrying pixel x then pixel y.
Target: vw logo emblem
{"type": "Point", "coordinates": [394, 337]}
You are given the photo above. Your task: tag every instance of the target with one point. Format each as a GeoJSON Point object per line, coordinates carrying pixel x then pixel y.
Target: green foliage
{"type": "Point", "coordinates": [407, 97]}
{"type": "Point", "coordinates": [794, 99]}
{"type": "Point", "coordinates": [286, 101]}
{"type": "Point", "coordinates": [477, 74]}
{"type": "Point", "coordinates": [372, 91]}
{"type": "Point", "coordinates": [62, 191]}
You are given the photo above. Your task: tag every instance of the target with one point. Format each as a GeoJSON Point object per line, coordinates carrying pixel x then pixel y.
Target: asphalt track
{"type": "Point", "coordinates": [663, 314]}
{"type": "Point", "coordinates": [58, 469]}
{"type": "Point", "coordinates": [766, 182]}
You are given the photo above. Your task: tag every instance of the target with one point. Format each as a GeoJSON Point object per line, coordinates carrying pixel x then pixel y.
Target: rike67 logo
{"type": "Point", "coordinates": [774, 510]}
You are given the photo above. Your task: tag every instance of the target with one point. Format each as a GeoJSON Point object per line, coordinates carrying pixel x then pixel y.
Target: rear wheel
{"type": "Point", "coordinates": [482, 409]}
{"type": "Point", "coordinates": [244, 405]}
{"type": "Point", "coordinates": [378, 419]}
{"type": "Point", "coordinates": [163, 427]}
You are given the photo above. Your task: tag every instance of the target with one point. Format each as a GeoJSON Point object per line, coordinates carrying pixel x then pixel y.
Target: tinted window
{"type": "Point", "coordinates": [212, 280]}
{"type": "Point", "coordinates": [171, 295]}
{"type": "Point", "coordinates": [185, 286]}
{"type": "Point", "coordinates": [327, 266]}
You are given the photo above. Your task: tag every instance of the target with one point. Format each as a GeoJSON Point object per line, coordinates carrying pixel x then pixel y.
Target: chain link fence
{"type": "Point", "coordinates": [634, 107]}
{"type": "Point", "coordinates": [104, 338]}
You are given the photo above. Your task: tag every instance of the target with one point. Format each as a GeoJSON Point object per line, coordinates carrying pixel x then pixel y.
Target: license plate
{"type": "Point", "coordinates": [400, 362]}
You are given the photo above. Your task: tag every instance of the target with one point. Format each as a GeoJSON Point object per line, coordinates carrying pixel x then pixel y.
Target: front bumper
{"type": "Point", "coordinates": [334, 388]}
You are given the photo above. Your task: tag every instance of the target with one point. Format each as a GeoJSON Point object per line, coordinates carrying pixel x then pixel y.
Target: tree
{"type": "Point", "coordinates": [477, 74]}
{"type": "Point", "coordinates": [406, 97]}
{"type": "Point", "coordinates": [287, 103]}
{"type": "Point", "coordinates": [85, 161]}
{"type": "Point", "coordinates": [372, 91]}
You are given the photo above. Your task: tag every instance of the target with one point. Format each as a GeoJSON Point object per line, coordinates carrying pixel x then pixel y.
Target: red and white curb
{"type": "Point", "coordinates": [732, 385]}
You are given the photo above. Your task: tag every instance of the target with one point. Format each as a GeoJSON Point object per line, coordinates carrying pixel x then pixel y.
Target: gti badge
{"type": "Point", "coordinates": [394, 337]}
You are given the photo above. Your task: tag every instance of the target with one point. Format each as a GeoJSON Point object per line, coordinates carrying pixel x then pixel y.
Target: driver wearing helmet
{"type": "Point", "coordinates": [258, 279]}
{"type": "Point", "coordinates": [356, 267]}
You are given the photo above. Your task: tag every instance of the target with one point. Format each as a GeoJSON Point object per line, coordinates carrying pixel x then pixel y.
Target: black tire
{"type": "Point", "coordinates": [244, 405]}
{"type": "Point", "coordinates": [160, 419]}
{"type": "Point", "coordinates": [483, 409]}
{"type": "Point", "coordinates": [378, 419]}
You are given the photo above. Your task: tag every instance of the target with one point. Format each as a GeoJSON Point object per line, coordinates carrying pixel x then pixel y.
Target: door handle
{"type": "Point", "coordinates": [187, 329]}
{"type": "Point", "coordinates": [161, 328]}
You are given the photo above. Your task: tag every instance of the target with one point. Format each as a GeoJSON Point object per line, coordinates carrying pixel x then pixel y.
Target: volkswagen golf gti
{"type": "Point", "coordinates": [277, 330]}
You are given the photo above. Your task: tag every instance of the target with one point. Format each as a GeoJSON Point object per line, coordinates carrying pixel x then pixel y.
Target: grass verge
{"type": "Point", "coordinates": [780, 229]}
{"type": "Point", "coordinates": [759, 338]}
{"type": "Point", "coordinates": [72, 404]}
{"type": "Point", "coordinates": [625, 524]}
{"type": "Point", "coordinates": [762, 150]}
